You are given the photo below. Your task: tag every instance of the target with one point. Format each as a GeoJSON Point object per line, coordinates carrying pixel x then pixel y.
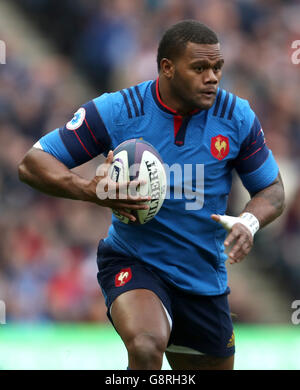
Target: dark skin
{"type": "Point", "coordinates": [191, 80]}
{"type": "Point", "coordinates": [45, 173]}
{"type": "Point", "coordinates": [186, 83]}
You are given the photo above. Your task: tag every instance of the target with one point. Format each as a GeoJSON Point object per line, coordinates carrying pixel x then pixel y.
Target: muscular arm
{"type": "Point", "coordinates": [45, 173]}
{"type": "Point", "coordinates": [267, 204]}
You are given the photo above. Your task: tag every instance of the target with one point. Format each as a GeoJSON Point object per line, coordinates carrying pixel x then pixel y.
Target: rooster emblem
{"type": "Point", "coordinates": [219, 146]}
{"type": "Point", "coordinates": [123, 277]}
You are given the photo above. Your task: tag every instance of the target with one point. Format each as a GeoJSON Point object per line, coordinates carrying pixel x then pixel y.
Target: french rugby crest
{"type": "Point", "coordinates": [123, 277]}
{"type": "Point", "coordinates": [219, 147]}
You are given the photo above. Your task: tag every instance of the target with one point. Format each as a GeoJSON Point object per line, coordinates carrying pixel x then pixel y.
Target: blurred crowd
{"type": "Point", "coordinates": [48, 246]}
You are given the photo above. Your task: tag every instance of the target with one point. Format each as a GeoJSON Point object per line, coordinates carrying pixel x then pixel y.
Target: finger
{"type": "Point", "coordinates": [237, 256]}
{"type": "Point", "coordinates": [125, 213]}
{"type": "Point", "coordinates": [110, 157]}
{"type": "Point", "coordinates": [130, 206]}
{"type": "Point", "coordinates": [102, 169]}
{"type": "Point", "coordinates": [240, 249]}
{"type": "Point", "coordinates": [236, 250]}
{"type": "Point", "coordinates": [215, 217]}
{"type": "Point", "coordinates": [243, 244]}
{"type": "Point", "coordinates": [111, 193]}
{"type": "Point", "coordinates": [232, 236]}
{"type": "Point", "coordinates": [132, 200]}
{"type": "Point", "coordinates": [129, 190]}
{"type": "Point", "coordinates": [122, 195]}
{"type": "Point", "coordinates": [226, 221]}
{"type": "Point", "coordinates": [243, 252]}
{"type": "Point", "coordinates": [134, 184]}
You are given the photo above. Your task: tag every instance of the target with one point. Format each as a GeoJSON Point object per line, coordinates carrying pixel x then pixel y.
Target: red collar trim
{"type": "Point", "coordinates": [160, 101]}
{"type": "Point", "coordinates": [168, 108]}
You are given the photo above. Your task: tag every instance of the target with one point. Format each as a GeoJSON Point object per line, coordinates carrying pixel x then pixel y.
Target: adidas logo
{"type": "Point", "coordinates": [231, 341]}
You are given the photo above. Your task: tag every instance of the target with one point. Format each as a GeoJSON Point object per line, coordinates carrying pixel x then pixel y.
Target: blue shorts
{"type": "Point", "coordinates": [201, 323]}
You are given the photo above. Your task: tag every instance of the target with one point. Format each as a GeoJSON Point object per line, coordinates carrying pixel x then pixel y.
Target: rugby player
{"type": "Point", "coordinates": [165, 282]}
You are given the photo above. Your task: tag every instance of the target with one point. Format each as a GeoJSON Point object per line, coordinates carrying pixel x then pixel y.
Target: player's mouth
{"type": "Point", "coordinates": [208, 93]}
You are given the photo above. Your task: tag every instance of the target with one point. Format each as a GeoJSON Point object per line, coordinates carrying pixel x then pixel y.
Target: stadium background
{"type": "Point", "coordinates": [60, 54]}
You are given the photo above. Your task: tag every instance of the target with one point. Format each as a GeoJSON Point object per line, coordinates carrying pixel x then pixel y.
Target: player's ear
{"type": "Point", "coordinates": [167, 68]}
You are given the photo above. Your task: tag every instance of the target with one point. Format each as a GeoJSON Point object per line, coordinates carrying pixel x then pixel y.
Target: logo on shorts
{"type": "Point", "coordinates": [123, 277]}
{"type": "Point", "coordinates": [231, 341]}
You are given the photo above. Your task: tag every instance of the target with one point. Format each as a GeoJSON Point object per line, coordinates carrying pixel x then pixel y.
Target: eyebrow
{"type": "Point", "coordinates": [207, 63]}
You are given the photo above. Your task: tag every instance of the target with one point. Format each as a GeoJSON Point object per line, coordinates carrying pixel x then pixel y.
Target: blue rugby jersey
{"type": "Point", "coordinates": [182, 242]}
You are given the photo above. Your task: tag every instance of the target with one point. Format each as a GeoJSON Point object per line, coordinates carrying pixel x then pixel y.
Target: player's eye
{"type": "Point", "coordinates": [217, 67]}
{"type": "Point", "coordinates": [199, 69]}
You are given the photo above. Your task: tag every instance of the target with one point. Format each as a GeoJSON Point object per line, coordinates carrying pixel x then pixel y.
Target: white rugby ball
{"type": "Point", "coordinates": [138, 159]}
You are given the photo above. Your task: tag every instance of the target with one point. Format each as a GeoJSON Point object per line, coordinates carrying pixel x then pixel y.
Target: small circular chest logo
{"type": "Point", "coordinates": [77, 119]}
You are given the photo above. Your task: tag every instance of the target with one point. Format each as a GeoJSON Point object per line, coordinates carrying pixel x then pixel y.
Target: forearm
{"type": "Point", "coordinates": [45, 173]}
{"type": "Point", "coordinates": [267, 204]}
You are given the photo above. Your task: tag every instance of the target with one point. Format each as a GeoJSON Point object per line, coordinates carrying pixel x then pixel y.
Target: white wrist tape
{"type": "Point", "coordinates": [247, 219]}
{"type": "Point", "coordinates": [37, 145]}
{"type": "Point", "coordinates": [251, 222]}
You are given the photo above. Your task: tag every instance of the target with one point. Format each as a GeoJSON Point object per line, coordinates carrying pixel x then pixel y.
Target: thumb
{"type": "Point", "coordinates": [110, 157]}
{"type": "Point", "coordinates": [103, 168]}
{"type": "Point", "coordinates": [216, 217]}
{"type": "Point", "coordinates": [227, 221]}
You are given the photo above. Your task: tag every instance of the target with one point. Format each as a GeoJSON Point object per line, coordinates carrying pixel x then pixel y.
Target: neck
{"type": "Point", "coordinates": [168, 98]}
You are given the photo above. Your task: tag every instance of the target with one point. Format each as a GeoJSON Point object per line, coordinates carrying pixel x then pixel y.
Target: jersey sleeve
{"type": "Point", "coordinates": [84, 137]}
{"type": "Point", "coordinates": [255, 163]}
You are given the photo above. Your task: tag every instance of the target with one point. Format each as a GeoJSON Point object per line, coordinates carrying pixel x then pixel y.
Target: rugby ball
{"type": "Point", "coordinates": [138, 159]}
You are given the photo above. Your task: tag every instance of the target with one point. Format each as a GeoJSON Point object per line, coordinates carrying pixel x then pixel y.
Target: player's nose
{"type": "Point", "coordinates": [209, 76]}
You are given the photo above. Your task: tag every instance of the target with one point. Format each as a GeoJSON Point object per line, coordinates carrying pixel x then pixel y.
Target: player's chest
{"type": "Point", "coordinates": [191, 140]}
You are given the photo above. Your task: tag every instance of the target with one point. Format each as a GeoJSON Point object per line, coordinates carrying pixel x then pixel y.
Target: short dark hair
{"type": "Point", "coordinates": [175, 39]}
